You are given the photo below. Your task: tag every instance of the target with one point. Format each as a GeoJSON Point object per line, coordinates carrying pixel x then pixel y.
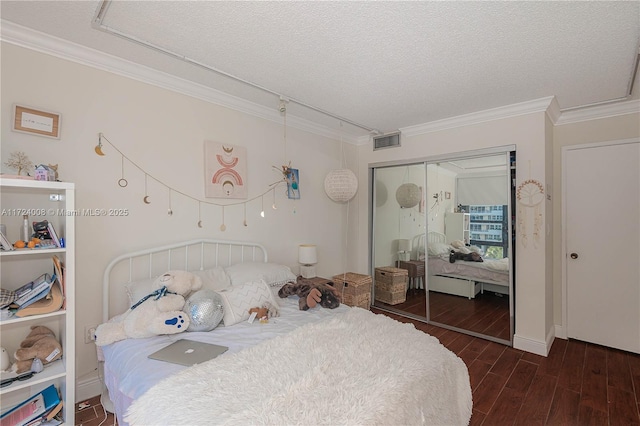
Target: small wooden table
{"type": "Point", "coordinates": [415, 272]}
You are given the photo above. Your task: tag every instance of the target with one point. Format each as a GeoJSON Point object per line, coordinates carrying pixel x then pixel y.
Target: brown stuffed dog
{"type": "Point", "coordinates": [40, 343]}
{"type": "Point", "coordinates": [311, 294]}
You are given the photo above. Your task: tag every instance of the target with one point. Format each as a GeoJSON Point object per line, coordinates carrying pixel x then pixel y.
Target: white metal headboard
{"type": "Point", "coordinates": [187, 255]}
{"type": "Point", "coordinates": [432, 237]}
{"type": "Point", "coordinates": [436, 237]}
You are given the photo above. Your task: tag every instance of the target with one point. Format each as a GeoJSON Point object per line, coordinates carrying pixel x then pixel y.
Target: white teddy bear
{"type": "Point", "coordinates": [158, 313]}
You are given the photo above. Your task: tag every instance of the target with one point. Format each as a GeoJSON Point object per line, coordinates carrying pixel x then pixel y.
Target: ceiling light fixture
{"type": "Point", "coordinates": [341, 185]}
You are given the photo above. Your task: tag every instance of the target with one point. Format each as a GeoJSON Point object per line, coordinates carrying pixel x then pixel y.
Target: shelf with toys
{"type": "Point", "coordinates": [41, 201]}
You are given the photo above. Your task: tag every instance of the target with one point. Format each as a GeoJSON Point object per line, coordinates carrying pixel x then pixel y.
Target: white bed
{"type": "Point", "coordinates": [463, 278]}
{"type": "Point", "coordinates": [322, 366]}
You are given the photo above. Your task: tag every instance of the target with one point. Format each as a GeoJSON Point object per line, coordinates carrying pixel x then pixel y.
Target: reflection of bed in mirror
{"type": "Point", "coordinates": [462, 278]}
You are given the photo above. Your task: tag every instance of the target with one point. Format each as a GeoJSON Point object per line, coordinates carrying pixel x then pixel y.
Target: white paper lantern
{"type": "Point", "coordinates": [408, 195]}
{"type": "Point", "coordinates": [341, 185]}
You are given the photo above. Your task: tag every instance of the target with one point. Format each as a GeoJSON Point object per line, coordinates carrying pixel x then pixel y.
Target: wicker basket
{"type": "Point", "coordinates": [391, 285]}
{"type": "Point", "coordinates": [391, 297]}
{"type": "Point", "coordinates": [355, 289]}
{"type": "Point", "coordinates": [391, 279]}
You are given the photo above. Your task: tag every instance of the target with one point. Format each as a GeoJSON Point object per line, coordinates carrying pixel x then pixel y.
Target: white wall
{"type": "Point", "coordinates": [392, 221]}
{"type": "Point", "coordinates": [163, 133]}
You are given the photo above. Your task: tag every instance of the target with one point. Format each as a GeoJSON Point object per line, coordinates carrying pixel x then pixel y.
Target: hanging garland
{"type": "Point", "coordinates": [123, 183]}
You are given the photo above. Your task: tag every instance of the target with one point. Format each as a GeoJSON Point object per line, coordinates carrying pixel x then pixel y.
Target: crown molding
{"type": "Point", "coordinates": [64, 49]}
{"type": "Point", "coordinates": [553, 111]}
{"type": "Point", "coordinates": [599, 111]}
{"type": "Point", "coordinates": [47, 44]}
{"type": "Point", "coordinates": [537, 105]}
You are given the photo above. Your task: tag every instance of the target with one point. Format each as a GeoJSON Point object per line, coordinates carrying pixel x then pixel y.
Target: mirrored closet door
{"type": "Point", "coordinates": [446, 224]}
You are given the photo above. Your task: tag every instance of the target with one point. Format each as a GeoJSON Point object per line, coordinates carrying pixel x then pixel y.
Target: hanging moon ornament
{"type": "Point", "coordinates": [341, 185]}
{"type": "Point", "coordinates": [98, 148]}
{"type": "Point", "coordinates": [146, 199]}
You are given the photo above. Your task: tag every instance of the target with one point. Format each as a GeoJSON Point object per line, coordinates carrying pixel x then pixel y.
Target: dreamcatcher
{"type": "Point", "coordinates": [530, 195]}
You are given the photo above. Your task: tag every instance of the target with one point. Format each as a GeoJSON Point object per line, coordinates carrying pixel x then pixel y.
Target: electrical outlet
{"type": "Point", "coordinates": [89, 334]}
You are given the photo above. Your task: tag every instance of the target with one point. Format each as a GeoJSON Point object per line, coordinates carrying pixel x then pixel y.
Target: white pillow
{"type": "Point", "coordinates": [239, 298]}
{"type": "Point", "coordinates": [437, 249]}
{"type": "Point", "coordinates": [214, 279]}
{"type": "Point", "coordinates": [475, 249]}
{"type": "Point", "coordinates": [272, 273]}
{"type": "Point", "coordinates": [457, 244]}
{"type": "Point", "coordinates": [136, 290]}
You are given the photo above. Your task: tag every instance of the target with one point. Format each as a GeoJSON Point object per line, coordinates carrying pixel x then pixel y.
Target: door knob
{"type": "Point", "coordinates": [574, 255]}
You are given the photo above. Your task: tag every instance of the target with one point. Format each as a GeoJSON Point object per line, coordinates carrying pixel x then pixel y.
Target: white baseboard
{"type": "Point", "coordinates": [561, 332]}
{"type": "Point", "coordinates": [88, 387]}
{"type": "Point", "coordinates": [537, 347]}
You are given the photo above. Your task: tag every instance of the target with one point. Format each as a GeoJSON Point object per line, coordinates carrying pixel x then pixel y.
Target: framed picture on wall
{"type": "Point", "coordinates": [36, 121]}
{"type": "Point", "coordinates": [293, 184]}
{"type": "Point", "coordinates": [225, 170]}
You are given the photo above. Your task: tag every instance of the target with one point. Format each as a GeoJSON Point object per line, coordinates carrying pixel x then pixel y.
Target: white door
{"type": "Point", "coordinates": [602, 241]}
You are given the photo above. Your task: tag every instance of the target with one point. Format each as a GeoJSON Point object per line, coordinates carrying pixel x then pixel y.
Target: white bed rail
{"type": "Point", "coordinates": [436, 237]}
{"type": "Point", "coordinates": [187, 255]}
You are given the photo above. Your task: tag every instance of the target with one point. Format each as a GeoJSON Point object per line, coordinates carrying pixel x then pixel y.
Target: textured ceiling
{"type": "Point", "coordinates": [384, 65]}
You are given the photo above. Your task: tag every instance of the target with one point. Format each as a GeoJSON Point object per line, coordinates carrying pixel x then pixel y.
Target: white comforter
{"type": "Point", "coordinates": [353, 368]}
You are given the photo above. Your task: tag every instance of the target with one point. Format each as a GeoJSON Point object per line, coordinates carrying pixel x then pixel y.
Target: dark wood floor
{"type": "Point", "coordinates": [577, 384]}
{"type": "Point", "coordinates": [91, 413]}
{"type": "Point", "coordinates": [486, 314]}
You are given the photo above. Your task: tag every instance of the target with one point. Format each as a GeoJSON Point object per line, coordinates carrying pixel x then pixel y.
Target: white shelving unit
{"type": "Point", "coordinates": [457, 227]}
{"type": "Point", "coordinates": [53, 201]}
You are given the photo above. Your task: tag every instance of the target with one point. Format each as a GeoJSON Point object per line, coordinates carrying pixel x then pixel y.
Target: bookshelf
{"type": "Point", "coordinates": [55, 202]}
{"type": "Point", "coordinates": [457, 227]}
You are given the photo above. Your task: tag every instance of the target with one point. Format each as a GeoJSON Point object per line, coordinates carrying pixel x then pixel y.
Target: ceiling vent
{"type": "Point", "coordinates": [388, 140]}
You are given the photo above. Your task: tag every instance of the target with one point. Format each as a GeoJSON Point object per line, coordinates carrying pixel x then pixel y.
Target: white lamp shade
{"type": "Point", "coordinates": [408, 195]}
{"type": "Point", "coordinates": [404, 245]}
{"type": "Point", "coordinates": [307, 254]}
{"type": "Point", "coordinates": [341, 185]}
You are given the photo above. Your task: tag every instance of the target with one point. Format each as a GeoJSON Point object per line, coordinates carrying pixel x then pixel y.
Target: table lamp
{"type": "Point", "coordinates": [404, 250]}
{"type": "Point", "coordinates": [307, 257]}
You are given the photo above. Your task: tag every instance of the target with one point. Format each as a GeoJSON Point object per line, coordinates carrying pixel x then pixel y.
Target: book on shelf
{"type": "Point", "coordinates": [53, 234]}
{"type": "Point", "coordinates": [50, 418]}
{"type": "Point", "coordinates": [58, 271]}
{"type": "Point", "coordinates": [54, 300]}
{"type": "Point", "coordinates": [5, 243]}
{"type": "Point", "coordinates": [33, 410]}
{"type": "Point", "coordinates": [33, 291]}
